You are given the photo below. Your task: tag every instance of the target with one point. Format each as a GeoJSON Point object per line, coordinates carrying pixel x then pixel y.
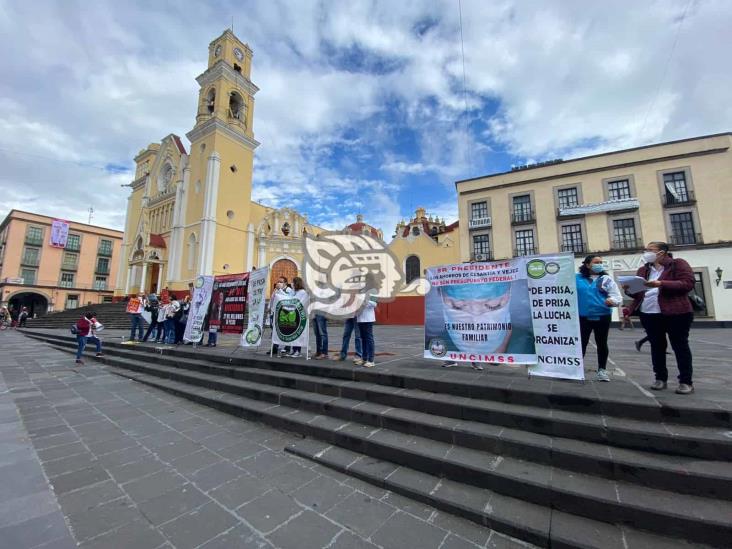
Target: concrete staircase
{"type": "Point", "coordinates": [552, 463]}
{"type": "Point", "coordinates": [112, 315]}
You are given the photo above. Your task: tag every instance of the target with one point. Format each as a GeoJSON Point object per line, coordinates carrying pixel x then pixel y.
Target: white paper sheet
{"type": "Point", "coordinates": [635, 283]}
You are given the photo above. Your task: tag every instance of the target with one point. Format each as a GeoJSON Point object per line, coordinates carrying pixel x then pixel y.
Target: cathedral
{"type": "Point", "coordinates": [190, 211]}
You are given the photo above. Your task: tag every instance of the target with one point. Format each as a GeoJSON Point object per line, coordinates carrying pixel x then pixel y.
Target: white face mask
{"type": "Point", "coordinates": [649, 257]}
{"type": "Point", "coordinates": [490, 340]}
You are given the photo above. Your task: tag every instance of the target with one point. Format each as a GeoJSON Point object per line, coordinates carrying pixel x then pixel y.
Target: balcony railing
{"type": "Point", "coordinates": [30, 261]}
{"type": "Point", "coordinates": [686, 239]}
{"type": "Point", "coordinates": [33, 240]}
{"type": "Point", "coordinates": [66, 284]}
{"type": "Point", "coordinates": [575, 247]}
{"type": "Point", "coordinates": [102, 269]}
{"type": "Point", "coordinates": [563, 211]}
{"type": "Point", "coordinates": [479, 222]}
{"type": "Point", "coordinates": [627, 244]}
{"type": "Point", "coordinates": [517, 252]}
{"type": "Point", "coordinates": [72, 246]}
{"type": "Point", "coordinates": [522, 217]}
{"type": "Point", "coordinates": [482, 256]}
{"type": "Point", "coordinates": [681, 199]}
{"type": "Point", "coordinates": [104, 251]}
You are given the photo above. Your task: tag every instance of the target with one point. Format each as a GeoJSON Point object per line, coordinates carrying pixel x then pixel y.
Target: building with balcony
{"type": "Point", "coordinates": [43, 277]}
{"type": "Point", "coordinates": [611, 205]}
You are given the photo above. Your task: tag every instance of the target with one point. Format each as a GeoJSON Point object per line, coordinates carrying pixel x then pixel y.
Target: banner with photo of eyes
{"type": "Point", "coordinates": [518, 311]}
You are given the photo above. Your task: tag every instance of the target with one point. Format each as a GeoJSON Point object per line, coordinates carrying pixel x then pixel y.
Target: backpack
{"type": "Point", "coordinates": [74, 329]}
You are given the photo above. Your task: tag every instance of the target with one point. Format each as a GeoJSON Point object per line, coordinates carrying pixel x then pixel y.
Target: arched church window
{"type": "Point", "coordinates": [211, 101]}
{"type": "Point", "coordinates": [237, 108]}
{"type": "Point", "coordinates": [165, 178]}
{"type": "Point", "coordinates": [412, 268]}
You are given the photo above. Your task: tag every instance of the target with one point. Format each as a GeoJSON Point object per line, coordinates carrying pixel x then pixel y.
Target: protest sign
{"type": "Point", "coordinates": [228, 303]}
{"type": "Point", "coordinates": [59, 233]}
{"type": "Point", "coordinates": [290, 321]}
{"type": "Point", "coordinates": [199, 307]}
{"type": "Point", "coordinates": [133, 305]}
{"type": "Point", "coordinates": [518, 311]}
{"type": "Point", "coordinates": [256, 294]}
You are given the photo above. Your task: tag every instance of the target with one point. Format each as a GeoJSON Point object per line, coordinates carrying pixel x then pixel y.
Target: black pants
{"type": "Point", "coordinates": [153, 324]}
{"type": "Point", "coordinates": [676, 327]}
{"type": "Point", "coordinates": [601, 327]}
{"type": "Point", "coordinates": [180, 328]}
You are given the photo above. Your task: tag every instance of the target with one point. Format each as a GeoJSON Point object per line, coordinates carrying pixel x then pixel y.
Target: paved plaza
{"type": "Point", "coordinates": [88, 457]}
{"type": "Point", "coordinates": [93, 459]}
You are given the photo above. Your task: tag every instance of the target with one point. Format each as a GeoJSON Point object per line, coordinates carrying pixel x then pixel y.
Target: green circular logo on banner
{"type": "Point", "coordinates": [552, 268]}
{"type": "Point", "coordinates": [290, 320]}
{"type": "Point", "coordinates": [253, 335]}
{"type": "Point", "coordinates": [199, 282]}
{"type": "Point", "coordinates": [536, 268]}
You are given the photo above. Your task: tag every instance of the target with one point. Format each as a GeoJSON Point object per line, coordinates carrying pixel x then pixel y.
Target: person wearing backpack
{"type": "Point", "coordinates": [666, 310]}
{"type": "Point", "coordinates": [597, 294]}
{"type": "Point", "coordinates": [86, 329]}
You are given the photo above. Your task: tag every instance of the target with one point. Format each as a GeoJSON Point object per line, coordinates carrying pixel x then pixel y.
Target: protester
{"type": "Point", "coordinates": [153, 307]}
{"type": "Point", "coordinates": [181, 317]}
{"type": "Point", "coordinates": [348, 329]}
{"type": "Point", "coordinates": [213, 334]}
{"type": "Point", "coordinates": [597, 294]}
{"type": "Point", "coordinates": [171, 309]}
{"type": "Point", "coordinates": [320, 327]}
{"type": "Point", "coordinates": [136, 321]}
{"type": "Point", "coordinates": [665, 310]}
{"type": "Point", "coordinates": [5, 318]}
{"type": "Point", "coordinates": [366, 319]}
{"type": "Point", "coordinates": [86, 329]}
{"type": "Point", "coordinates": [22, 317]}
{"type": "Point", "coordinates": [281, 291]}
{"type": "Point", "coordinates": [299, 292]}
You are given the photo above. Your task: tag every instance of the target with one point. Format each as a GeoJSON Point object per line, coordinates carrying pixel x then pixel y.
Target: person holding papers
{"type": "Point", "coordinates": [665, 310]}
{"type": "Point", "coordinates": [597, 294]}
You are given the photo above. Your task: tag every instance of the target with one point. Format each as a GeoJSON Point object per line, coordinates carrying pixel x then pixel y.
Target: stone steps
{"type": "Point", "coordinates": [589, 486]}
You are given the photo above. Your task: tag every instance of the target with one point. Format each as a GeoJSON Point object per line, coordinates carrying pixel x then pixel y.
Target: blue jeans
{"type": "Point", "coordinates": [169, 326]}
{"type": "Point", "coordinates": [213, 337]}
{"type": "Point", "coordinates": [347, 330]}
{"type": "Point", "coordinates": [367, 340]}
{"type": "Point", "coordinates": [320, 325]}
{"type": "Point", "coordinates": [137, 324]}
{"type": "Point", "coordinates": [81, 342]}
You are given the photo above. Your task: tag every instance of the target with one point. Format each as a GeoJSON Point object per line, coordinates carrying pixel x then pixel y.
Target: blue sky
{"type": "Point", "coordinates": [361, 106]}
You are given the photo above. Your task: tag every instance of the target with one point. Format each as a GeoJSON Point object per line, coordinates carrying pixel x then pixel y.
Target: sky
{"type": "Point", "coordinates": [373, 107]}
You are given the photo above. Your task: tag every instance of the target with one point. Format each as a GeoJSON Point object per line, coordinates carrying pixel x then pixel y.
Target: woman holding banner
{"type": "Point", "coordinates": [302, 295]}
{"type": "Point", "coordinates": [597, 294]}
{"type": "Point", "coordinates": [281, 291]}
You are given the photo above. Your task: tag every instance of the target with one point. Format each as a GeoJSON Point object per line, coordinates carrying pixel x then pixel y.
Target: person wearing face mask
{"type": "Point", "coordinates": [597, 294]}
{"type": "Point", "coordinates": [281, 291]}
{"type": "Point", "coordinates": [665, 310]}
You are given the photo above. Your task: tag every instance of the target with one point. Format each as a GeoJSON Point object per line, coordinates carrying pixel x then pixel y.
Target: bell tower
{"type": "Point", "coordinates": [218, 194]}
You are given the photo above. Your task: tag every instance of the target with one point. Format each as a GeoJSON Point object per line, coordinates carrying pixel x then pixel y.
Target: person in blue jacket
{"type": "Point", "coordinates": [597, 294]}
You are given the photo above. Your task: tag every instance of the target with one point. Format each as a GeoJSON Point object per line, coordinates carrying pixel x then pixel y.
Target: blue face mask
{"type": "Point", "coordinates": [597, 268]}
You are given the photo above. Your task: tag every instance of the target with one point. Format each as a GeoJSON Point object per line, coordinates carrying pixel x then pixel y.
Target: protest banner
{"type": "Point", "coordinates": [228, 302]}
{"type": "Point", "coordinates": [59, 233]}
{"type": "Point", "coordinates": [256, 295]}
{"type": "Point", "coordinates": [290, 325]}
{"type": "Point", "coordinates": [518, 311]}
{"type": "Point", "coordinates": [133, 305]}
{"type": "Point", "coordinates": [199, 307]}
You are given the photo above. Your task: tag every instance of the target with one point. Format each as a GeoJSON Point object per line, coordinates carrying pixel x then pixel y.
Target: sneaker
{"type": "Point", "coordinates": [368, 364]}
{"type": "Point", "coordinates": [602, 375]}
{"type": "Point", "coordinates": [449, 364]}
{"type": "Point", "coordinates": [684, 389]}
{"type": "Point", "coordinates": [282, 353]}
{"type": "Point", "coordinates": [359, 362]}
{"type": "Point", "coordinates": [320, 356]}
{"type": "Point", "coordinates": [659, 385]}
{"type": "Point", "coordinates": [79, 361]}
{"type": "Point", "coordinates": [99, 355]}
{"type": "Point", "coordinates": [340, 358]}
{"type": "Point", "coordinates": [476, 366]}
{"type": "Point", "coordinates": [295, 354]}
{"type": "Point", "coordinates": [357, 359]}
{"type": "Point", "coordinates": [638, 346]}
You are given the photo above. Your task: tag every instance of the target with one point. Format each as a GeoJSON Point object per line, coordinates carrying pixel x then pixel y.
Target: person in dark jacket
{"type": "Point", "coordinates": [665, 310]}
{"type": "Point", "coordinates": [181, 318]}
{"type": "Point", "coordinates": [153, 307]}
{"type": "Point", "coordinates": [86, 329]}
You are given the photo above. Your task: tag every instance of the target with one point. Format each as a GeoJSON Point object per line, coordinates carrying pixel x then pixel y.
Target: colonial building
{"type": "Point", "coordinates": [190, 211]}
{"type": "Point", "coordinates": [611, 205]}
{"type": "Point", "coordinates": [45, 278]}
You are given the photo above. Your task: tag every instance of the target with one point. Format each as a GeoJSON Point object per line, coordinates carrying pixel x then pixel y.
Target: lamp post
{"type": "Point", "coordinates": [719, 272]}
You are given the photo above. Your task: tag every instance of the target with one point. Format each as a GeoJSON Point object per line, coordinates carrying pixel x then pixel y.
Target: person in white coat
{"type": "Point", "coordinates": [366, 319]}
{"type": "Point", "coordinates": [281, 291]}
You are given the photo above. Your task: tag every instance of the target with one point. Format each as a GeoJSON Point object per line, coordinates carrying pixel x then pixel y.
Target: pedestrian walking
{"type": "Point", "coordinates": [666, 311]}
{"type": "Point", "coordinates": [86, 329]}
{"type": "Point", "coordinates": [320, 327]}
{"type": "Point", "coordinates": [22, 317]}
{"type": "Point", "coordinates": [597, 294]}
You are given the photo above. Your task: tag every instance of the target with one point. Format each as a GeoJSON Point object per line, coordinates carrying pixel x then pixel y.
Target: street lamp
{"type": "Point", "coordinates": [718, 272]}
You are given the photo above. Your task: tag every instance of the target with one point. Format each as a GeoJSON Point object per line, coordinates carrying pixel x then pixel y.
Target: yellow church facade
{"type": "Point", "coordinates": [190, 211]}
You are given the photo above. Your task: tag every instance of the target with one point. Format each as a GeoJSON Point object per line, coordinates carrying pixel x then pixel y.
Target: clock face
{"type": "Point", "coordinates": [217, 51]}
{"type": "Point", "coordinates": [238, 54]}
